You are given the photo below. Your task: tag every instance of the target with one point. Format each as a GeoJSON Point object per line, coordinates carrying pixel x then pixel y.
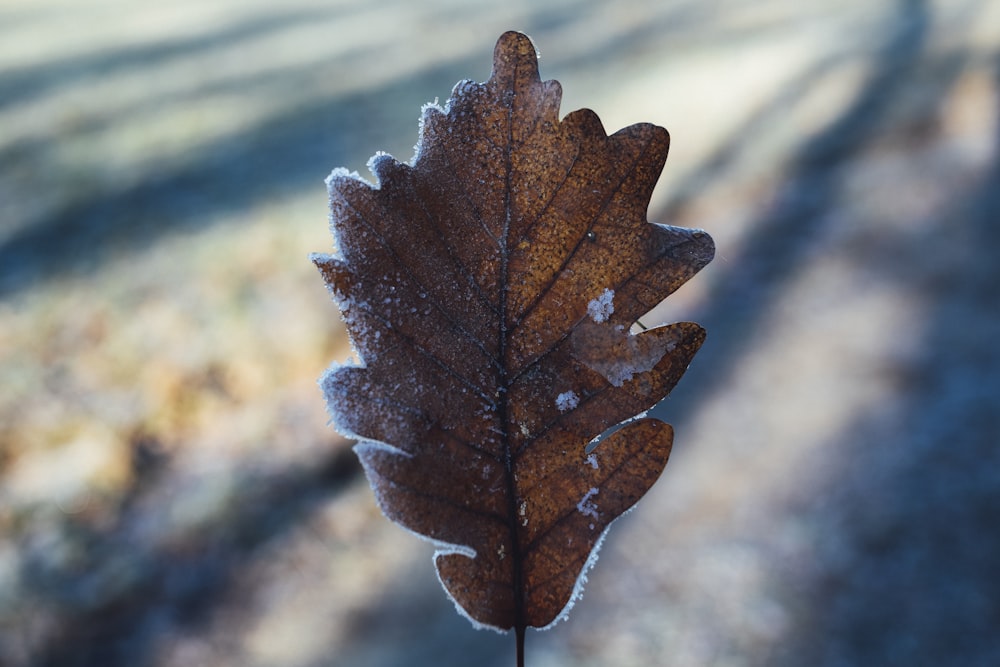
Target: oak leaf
{"type": "Point", "coordinates": [488, 288]}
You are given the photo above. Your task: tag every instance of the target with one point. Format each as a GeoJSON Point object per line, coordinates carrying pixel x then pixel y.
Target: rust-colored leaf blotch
{"type": "Point", "coordinates": [488, 288]}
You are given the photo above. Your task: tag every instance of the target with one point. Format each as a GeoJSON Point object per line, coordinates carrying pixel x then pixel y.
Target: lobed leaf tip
{"type": "Point", "coordinates": [514, 51]}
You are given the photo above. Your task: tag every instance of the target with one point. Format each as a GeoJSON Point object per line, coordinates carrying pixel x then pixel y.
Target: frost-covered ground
{"type": "Point", "coordinates": [170, 495]}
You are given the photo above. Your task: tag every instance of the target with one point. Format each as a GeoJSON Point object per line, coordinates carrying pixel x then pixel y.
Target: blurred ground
{"type": "Point", "coordinates": [170, 494]}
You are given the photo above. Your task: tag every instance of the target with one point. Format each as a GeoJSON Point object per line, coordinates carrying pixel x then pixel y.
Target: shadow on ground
{"type": "Point", "coordinates": [287, 153]}
{"type": "Point", "coordinates": [906, 566]}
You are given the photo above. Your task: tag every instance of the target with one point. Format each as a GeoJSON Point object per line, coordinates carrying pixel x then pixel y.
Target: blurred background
{"type": "Point", "coordinates": [170, 493]}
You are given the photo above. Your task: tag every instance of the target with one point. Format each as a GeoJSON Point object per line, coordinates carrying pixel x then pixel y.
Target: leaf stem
{"type": "Point", "coordinates": [519, 638]}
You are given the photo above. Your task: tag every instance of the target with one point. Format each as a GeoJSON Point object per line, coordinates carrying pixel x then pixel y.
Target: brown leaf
{"type": "Point", "coordinates": [489, 289]}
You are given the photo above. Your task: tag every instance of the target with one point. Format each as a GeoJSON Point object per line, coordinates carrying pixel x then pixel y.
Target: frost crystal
{"type": "Point", "coordinates": [341, 173]}
{"type": "Point", "coordinates": [601, 308]}
{"type": "Point", "coordinates": [375, 159]}
{"type": "Point", "coordinates": [567, 401]}
{"type": "Point", "coordinates": [586, 506]}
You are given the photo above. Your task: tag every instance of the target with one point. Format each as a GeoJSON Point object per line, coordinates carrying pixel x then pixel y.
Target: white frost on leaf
{"type": "Point", "coordinates": [341, 173]}
{"type": "Point", "coordinates": [592, 460]}
{"type": "Point", "coordinates": [441, 548]}
{"type": "Point", "coordinates": [464, 551]}
{"type": "Point", "coordinates": [600, 309]}
{"type": "Point", "coordinates": [618, 355]}
{"type": "Point", "coordinates": [427, 109]}
{"type": "Point", "coordinates": [620, 371]}
{"type": "Point", "coordinates": [586, 506]}
{"type": "Point", "coordinates": [567, 401]}
{"type": "Point", "coordinates": [373, 163]}
{"type": "Point", "coordinates": [581, 580]}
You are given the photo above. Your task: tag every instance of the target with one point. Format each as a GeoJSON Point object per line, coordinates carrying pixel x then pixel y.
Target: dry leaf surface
{"type": "Point", "coordinates": [489, 288]}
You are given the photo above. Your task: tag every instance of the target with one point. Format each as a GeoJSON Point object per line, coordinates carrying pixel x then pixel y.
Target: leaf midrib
{"type": "Point", "coordinates": [517, 570]}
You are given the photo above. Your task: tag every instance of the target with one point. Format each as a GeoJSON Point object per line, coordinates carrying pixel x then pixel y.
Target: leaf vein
{"type": "Point", "coordinates": [420, 286]}
{"type": "Point", "coordinates": [554, 278]}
